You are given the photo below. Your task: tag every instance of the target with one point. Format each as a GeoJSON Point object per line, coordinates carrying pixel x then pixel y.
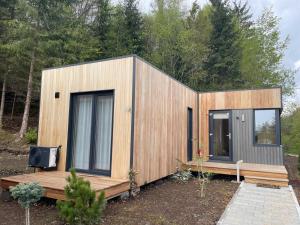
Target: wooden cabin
{"type": "Point", "coordinates": [113, 115]}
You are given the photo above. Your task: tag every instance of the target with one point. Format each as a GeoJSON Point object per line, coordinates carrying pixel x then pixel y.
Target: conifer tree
{"type": "Point", "coordinates": [134, 27]}
{"type": "Point", "coordinates": [223, 63]}
{"type": "Point", "coordinates": [82, 206]}
{"type": "Point", "coordinates": [102, 26]}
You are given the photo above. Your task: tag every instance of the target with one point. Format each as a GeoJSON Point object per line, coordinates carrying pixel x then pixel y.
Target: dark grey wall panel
{"type": "Point", "coordinates": [242, 142]}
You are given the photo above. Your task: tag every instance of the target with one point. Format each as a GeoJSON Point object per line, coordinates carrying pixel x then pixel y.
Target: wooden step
{"type": "Point", "coordinates": [282, 182]}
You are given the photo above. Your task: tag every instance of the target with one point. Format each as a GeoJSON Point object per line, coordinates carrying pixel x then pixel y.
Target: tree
{"type": "Point", "coordinates": [242, 13]}
{"type": "Point", "coordinates": [195, 45]}
{"type": "Point", "coordinates": [81, 205]}
{"type": "Point", "coordinates": [52, 33]}
{"type": "Point", "coordinates": [102, 26]}
{"type": "Point", "coordinates": [290, 126]}
{"type": "Point", "coordinates": [126, 35]}
{"type": "Point", "coordinates": [223, 62]}
{"type": "Point", "coordinates": [164, 32]}
{"type": "Point", "coordinates": [262, 50]}
{"type": "Point", "coordinates": [133, 27]}
{"type": "Point", "coordinates": [27, 194]}
{"type": "Point", "coordinates": [7, 14]}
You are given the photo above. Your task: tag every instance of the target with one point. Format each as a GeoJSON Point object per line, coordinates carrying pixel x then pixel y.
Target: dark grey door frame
{"type": "Point", "coordinates": [210, 136]}
{"type": "Point", "coordinates": [69, 162]}
{"type": "Point", "coordinates": [189, 134]}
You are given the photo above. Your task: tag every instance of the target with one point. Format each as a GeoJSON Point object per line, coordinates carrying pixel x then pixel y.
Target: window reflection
{"type": "Point", "coordinates": [265, 126]}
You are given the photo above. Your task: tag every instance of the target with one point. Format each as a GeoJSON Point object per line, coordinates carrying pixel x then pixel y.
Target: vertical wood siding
{"type": "Point", "coordinates": [242, 142]}
{"type": "Point", "coordinates": [54, 113]}
{"type": "Point", "coordinates": [245, 99]}
{"type": "Point", "coordinates": [160, 132]}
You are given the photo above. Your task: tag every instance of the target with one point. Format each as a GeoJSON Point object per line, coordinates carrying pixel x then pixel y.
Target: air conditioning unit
{"type": "Point", "coordinates": [43, 157]}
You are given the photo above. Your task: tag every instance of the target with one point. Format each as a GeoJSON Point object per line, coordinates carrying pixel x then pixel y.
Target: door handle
{"type": "Point", "coordinates": [210, 134]}
{"type": "Point", "coordinates": [229, 135]}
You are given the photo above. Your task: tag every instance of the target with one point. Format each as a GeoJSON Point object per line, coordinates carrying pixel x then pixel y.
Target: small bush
{"type": "Point", "coordinates": [183, 175]}
{"type": "Point", "coordinates": [27, 194]}
{"type": "Point", "coordinates": [81, 205]}
{"type": "Point", "coordinates": [31, 136]}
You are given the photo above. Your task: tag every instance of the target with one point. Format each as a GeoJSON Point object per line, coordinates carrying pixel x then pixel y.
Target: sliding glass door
{"type": "Point", "coordinates": [90, 134]}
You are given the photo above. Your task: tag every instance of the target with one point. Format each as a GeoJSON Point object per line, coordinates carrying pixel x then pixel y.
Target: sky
{"type": "Point", "coordinates": [289, 13]}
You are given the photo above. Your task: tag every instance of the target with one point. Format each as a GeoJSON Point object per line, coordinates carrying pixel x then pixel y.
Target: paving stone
{"type": "Point", "coordinates": [253, 205]}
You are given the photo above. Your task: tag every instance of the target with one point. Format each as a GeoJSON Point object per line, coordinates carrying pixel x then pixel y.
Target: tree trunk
{"type": "Point", "coordinates": [2, 101]}
{"type": "Point", "coordinates": [28, 99]}
{"type": "Point", "coordinates": [13, 106]}
{"type": "Point", "coordinates": [27, 216]}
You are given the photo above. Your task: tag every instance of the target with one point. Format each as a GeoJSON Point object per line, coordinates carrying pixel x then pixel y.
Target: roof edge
{"type": "Point", "coordinates": [90, 62]}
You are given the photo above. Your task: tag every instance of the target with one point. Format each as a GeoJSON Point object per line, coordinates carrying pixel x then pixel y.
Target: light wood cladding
{"type": "Point", "coordinates": [54, 113]}
{"type": "Point", "coordinates": [244, 99]}
{"type": "Point", "coordinates": [54, 182]}
{"type": "Point", "coordinates": [160, 124]}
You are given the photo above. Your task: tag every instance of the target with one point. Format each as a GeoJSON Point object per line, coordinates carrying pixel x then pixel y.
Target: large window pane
{"type": "Point", "coordinates": [103, 131]}
{"type": "Point", "coordinates": [265, 126]}
{"type": "Point", "coordinates": [82, 116]}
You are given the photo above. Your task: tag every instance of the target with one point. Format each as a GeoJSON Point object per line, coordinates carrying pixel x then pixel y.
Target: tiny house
{"type": "Point", "coordinates": [118, 114]}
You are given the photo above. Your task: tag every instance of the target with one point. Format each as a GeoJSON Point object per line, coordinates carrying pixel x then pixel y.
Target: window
{"type": "Point", "coordinates": [266, 127]}
{"type": "Point", "coordinates": [91, 132]}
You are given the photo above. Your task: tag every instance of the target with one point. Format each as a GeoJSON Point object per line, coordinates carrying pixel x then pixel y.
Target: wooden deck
{"type": "Point", "coordinates": [55, 181]}
{"type": "Point", "coordinates": [253, 173]}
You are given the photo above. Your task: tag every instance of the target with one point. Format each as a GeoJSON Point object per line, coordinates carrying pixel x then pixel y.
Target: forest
{"type": "Point", "coordinates": [217, 46]}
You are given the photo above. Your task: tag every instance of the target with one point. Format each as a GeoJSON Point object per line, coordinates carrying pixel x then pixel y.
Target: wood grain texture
{"type": "Point", "coordinates": [160, 131]}
{"type": "Point", "coordinates": [54, 182]}
{"type": "Point", "coordinates": [244, 99]}
{"type": "Point", "coordinates": [246, 169]}
{"type": "Point", "coordinates": [54, 113]}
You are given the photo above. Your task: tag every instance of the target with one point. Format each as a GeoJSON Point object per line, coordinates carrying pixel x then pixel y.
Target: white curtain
{"type": "Point", "coordinates": [103, 132]}
{"type": "Point", "coordinates": [82, 116]}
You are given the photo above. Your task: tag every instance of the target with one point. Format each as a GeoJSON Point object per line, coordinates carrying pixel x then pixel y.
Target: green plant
{"type": "Point", "coordinates": [81, 206]}
{"type": "Point", "coordinates": [27, 194]}
{"type": "Point", "coordinates": [183, 175]}
{"type": "Point", "coordinates": [203, 176]}
{"type": "Point", "coordinates": [31, 136]}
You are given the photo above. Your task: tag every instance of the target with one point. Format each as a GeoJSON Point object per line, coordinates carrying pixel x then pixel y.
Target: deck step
{"type": "Point", "coordinates": [282, 182]}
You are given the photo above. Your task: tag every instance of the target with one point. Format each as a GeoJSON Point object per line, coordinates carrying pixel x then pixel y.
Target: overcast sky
{"type": "Point", "coordinates": [287, 10]}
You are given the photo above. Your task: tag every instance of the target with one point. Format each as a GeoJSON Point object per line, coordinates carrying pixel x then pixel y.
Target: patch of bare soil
{"type": "Point", "coordinates": [166, 203]}
{"type": "Point", "coordinates": [291, 164]}
{"type": "Point", "coordinates": [12, 164]}
{"type": "Point", "coordinates": [173, 203]}
{"type": "Point", "coordinates": [9, 144]}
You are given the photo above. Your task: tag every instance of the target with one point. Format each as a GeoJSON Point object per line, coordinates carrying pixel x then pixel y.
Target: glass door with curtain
{"type": "Point", "coordinates": [90, 134]}
{"type": "Point", "coordinates": [220, 135]}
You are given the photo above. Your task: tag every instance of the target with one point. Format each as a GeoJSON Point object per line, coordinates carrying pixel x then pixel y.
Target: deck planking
{"type": "Point", "coordinates": [54, 182]}
{"type": "Point", "coordinates": [254, 173]}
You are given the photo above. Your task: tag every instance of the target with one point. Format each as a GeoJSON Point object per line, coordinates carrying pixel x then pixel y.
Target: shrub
{"type": "Point", "coordinates": [31, 136]}
{"type": "Point", "coordinates": [27, 194]}
{"type": "Point", "coordinates": [183, 175]}
{"type": "Point", "coordinates": [81, 205]}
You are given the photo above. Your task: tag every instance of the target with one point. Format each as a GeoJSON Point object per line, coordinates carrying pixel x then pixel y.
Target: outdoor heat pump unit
{"type": "Point", "coordinates": [43, 157]}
